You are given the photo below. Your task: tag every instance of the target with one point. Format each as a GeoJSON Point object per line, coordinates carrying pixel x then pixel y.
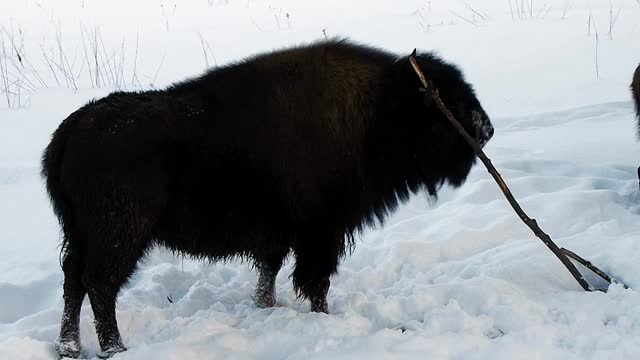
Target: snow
{"type": "Point", "coordinates": [463, 277]}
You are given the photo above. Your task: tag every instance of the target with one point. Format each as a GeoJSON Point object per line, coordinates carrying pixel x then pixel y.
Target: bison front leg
{"type": "Point", "coordinates": [265, 295]}
{"type": "Point", "coordinates": [316, 261]}
{"type": "Point", "coordinates": [318, 296]}
{"type": "Point", "coordinates": [268, 267]}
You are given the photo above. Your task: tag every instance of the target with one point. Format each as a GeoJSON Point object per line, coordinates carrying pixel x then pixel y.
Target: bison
{"type": "Point", "coordinates": [296, 150]}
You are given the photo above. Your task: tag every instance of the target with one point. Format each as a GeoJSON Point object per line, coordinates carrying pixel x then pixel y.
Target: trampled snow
{"type": "Point", "coordinates": [459, 279]}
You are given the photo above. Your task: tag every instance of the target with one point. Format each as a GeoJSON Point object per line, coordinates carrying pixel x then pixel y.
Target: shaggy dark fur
{"type": "Point", "coordinates": [295, 150]}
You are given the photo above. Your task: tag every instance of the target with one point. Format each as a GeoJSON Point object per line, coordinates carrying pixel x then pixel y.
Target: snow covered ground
{"type": "Point", "coordinates": [464, 277]}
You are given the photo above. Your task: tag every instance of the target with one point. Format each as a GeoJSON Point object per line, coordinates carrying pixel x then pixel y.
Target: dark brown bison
{"type": "Point", "coordinates": [295, 150]}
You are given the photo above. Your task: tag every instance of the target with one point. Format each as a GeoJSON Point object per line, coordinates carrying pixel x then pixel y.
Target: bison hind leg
{"type": "Point", "coordinates": [68, 343]}
{"type": "Point", "coordinates": [121, 232]}
{"type": "Point", "coordinates": [268, 265]}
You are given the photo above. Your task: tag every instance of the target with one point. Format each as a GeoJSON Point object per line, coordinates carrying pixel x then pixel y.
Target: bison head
{"type": "Point", "coordinates": [442, 153]}
{"type": "Point", "coordinates": [458, 96]}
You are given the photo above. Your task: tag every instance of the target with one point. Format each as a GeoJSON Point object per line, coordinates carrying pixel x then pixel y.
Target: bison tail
{"type": "Point", "coordinates": [51, 172]}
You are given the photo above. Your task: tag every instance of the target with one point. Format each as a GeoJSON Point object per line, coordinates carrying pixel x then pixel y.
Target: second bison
{"type": "Point", "coordinates": [296, 150]}
{"type": "Point", "coordinates": [635, 92]}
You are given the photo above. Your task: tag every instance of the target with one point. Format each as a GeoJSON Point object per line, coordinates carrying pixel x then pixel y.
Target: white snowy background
{"type": "Point", "coordinates": [464, 277]}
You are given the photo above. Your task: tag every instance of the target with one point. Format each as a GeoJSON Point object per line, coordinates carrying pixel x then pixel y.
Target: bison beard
{"type": "Point", "coordinates": [296, 150]}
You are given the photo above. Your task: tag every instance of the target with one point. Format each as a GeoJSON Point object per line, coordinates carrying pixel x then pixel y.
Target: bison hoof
{"type": "Point", "coordinates": [67, 349]}
{"type": "Point", "coordinates": [264, 301]}
{"type": "Point", "coordinates": [107, 353]}
{"type": "Point", "coordinates": [320, 306]}
{"type": "Point", "coordinates": [265, 304]}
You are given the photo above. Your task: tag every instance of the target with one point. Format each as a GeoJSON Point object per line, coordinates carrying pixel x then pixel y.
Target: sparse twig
{"type": "Point", "coordinates": [3, 71]}
{"type": "Point", "coordinates": [157, 72]}
{"type": "Point", "coordinates": [23, 66]}
{"type": "Point", "coordinates": [463, 18]}
{"type": "Point", "coordinates": [511, 10]}
{"type": "Point", "coordinates": [134, 76]}
{"type": "Point", "coordinates": [206, 50]}
{"type": "Point", "coordinates": [256, 25]}
{"type": "Point", "coordinates": [121, 82]}
{"type": "Point", "coordinates": [483, 17]}
{"type": "Point", "coordinates": [277, 21]}
{"type": "Point", "coordinates": [597, 66]}
{"type": "Point", "coordinates": [95, 56]}
{"type": "Point", "coordinates": [612, 19]}
{"type": "Point", "coordinates": [14, 78]}
{"type": "Point", "coordinates": [545, 7]}
{"type": "Point", "coordinates": [566, 7]}
{"type": "Point", "coordinates": [106, 60]}
{"type": "Point", "coordinates": [53, 72]}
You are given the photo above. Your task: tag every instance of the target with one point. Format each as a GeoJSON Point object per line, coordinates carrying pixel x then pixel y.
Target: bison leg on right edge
{"type": "Point", "coordinates": [635, 90]}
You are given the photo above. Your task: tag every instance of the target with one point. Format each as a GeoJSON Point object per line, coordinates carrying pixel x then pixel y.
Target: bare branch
{"type": "Point", "coordinates": [157, 71]}
{"type": "Point", "coordinates": [463, 18]}
{"type": "Point", "coordinates": [591, 267]}
{"type": "Point", "coordinates": [483, 17]}
{"type": "Point", "coordinates": [86, 57]}
{"type": "Point", "coordinates": [597, 66]}
{"type": "Point", "coordinates": [135, 61]}
{"type": "Point", "coordinates": [531, 223]}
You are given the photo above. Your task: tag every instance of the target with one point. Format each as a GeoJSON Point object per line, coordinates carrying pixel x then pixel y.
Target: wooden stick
{"type": "Point", "coordinates": [531, 223]}
{"type": "Point", "coordinates": [590, 266]}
